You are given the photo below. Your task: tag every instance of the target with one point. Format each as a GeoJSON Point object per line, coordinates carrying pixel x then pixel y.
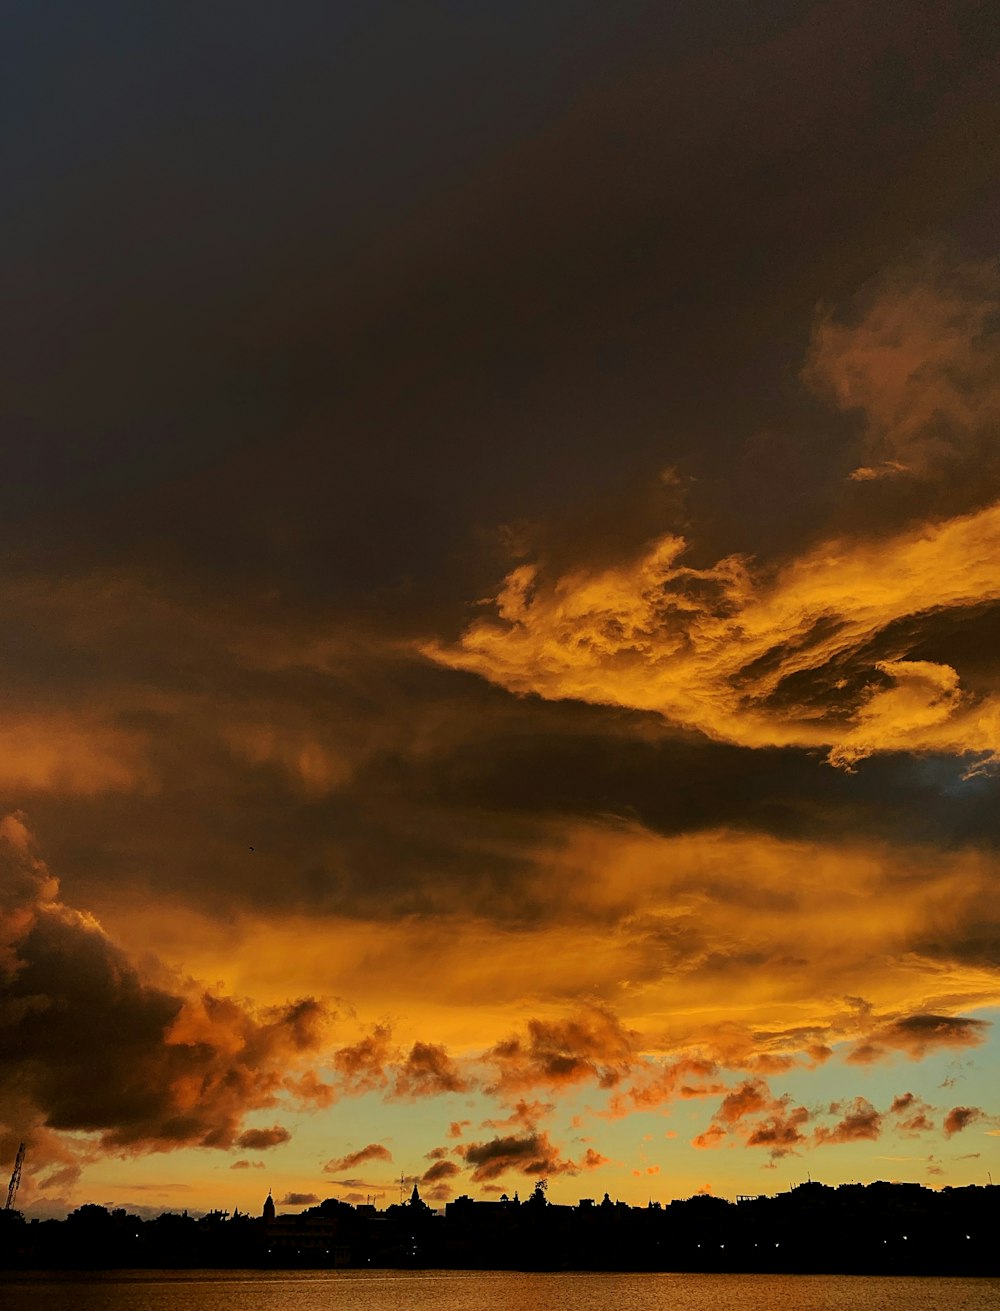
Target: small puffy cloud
{"type": "Point", "coordinates": [919, 1123]}
{"type": "Point", "coordinates": [960, 1117]}
{"type": "Point", "coordinates": [362, 1065]}
{"type": "Point", "coordinates": [860, 1121]}
{"type": "Point", "coordinates": [439, 1171]}
{"type": "Point", "coordinates": [911, 1114]}
{"type": "Point", "coordinates": [593, 1160]}
{"type": "Point", "coordinates": [428, 1071]}
{"type": "Point", "coordinates": [711, 1137]}
{"type": "Point", "coordinates": [247, 1165]}
{"type": "Point", "coordinates": [458, 1127]}
{"type": "Point", "coordinates": [311, 1090]}
{"type": "Point", "coordinates": [590, 1045]}
{"type": "Point", "coordinates": [523, 1115]}
{"type": "Point", "coordinates": [531, 1154]}
{"type": "Point", "coordinates": [654, 1082]}
{"type": "Point", "coordinates": [258, 1140]}
{"type": "Point", "coordinates": [373, 1152]}
{"type": "Point", "coordinates": [749, 1098]}
{"type": "Point", "coordinates": [298, 1199]}
{"type": "Point", "coordinates": [781, 1132]}
{"type": "Point", "coordinates": [752, 1112]}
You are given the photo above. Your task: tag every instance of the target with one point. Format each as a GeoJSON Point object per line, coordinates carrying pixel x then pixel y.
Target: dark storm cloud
{"type": "Point", "coordinates": [323, 322]}
{"type": "Point", "coordinates": [378, 803]}
{"type": "Point", "coordinates": [176, 1068]}
{"type": "Point", "coordinates": [437, 304]}
{"type": "Point", "coordinates": [365, 783]}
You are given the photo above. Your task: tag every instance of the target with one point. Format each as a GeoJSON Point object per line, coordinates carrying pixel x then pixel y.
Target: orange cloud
{"type": "Point", "coordinates": [781, 1133]}
{"type": "Point", "coordinates": [523, 1115]}
{"type": "Point", "coordinates": [590, 1045]}
{"type": "Point", "coordinates": [532, 1154]}
{"type": "Point", "coordinates": [362, 1065]}
{"type": "Point", "coordinates": [719, 649]}
{"type": "Point", "coordinates": [654, 1082]}
{"type": "Point", "coordinates": [373, 1152]}
{"type": "Point", "coordinates": [960, 1117]}
{"type": "Point", "coordinates": [916, 1035]}
{"type": "Point", "coordinates": [750, 1098]}
{"type": "Point", "coordinates": [427, 1071]}
{"type": "Point", "coordinates": [439, 1171]}
{"type": "Point", "coordinates": [666, 930]}
{"type": "Point", "coordinates": [75, 752]}
{"type": "Point", "coordinates": [808, 654]}
{"type": "Point", "coordinates": [711, 1137]}
{"type": "Point", "coordinates": [760, 1118]}
{"type": "Point", "coordinates": [257, 1140]}
{"type": "Point", "coordinates": [860, 1121]}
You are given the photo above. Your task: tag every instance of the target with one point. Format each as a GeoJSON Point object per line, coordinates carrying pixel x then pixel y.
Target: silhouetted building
{"type": "Point", "coordinates": [878, 1228]}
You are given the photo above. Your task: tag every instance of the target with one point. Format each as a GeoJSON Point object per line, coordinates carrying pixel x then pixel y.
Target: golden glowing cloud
{"type": "Point", "coordinates": [720, 650]}
{"type": "Point", "coordinates": [808, 654]}
{"type": "Point", "coordinates": [745, 948]}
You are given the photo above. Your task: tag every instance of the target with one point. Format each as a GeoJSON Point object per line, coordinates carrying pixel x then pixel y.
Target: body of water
{"type": "Point", "coordinates": [476, 1290]}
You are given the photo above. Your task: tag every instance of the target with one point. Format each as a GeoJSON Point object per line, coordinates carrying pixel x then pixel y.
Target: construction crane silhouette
{"type": "Point", "coordinates": [15, 1179]}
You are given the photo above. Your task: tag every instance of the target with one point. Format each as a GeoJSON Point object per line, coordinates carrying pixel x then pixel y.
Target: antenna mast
{"type": "Point", "coordinates": [15, 1179]}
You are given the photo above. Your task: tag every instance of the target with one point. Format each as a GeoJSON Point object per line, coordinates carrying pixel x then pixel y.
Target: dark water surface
{"type": "Point", "coordinates": [462, 1290]}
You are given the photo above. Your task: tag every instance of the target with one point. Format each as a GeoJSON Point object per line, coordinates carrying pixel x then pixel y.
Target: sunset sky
{"type": "Point", "coordinates": [501, 576]}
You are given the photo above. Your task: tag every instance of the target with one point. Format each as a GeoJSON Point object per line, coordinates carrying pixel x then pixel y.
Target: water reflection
{"type": "Point", "coordinates": [446, 1290]}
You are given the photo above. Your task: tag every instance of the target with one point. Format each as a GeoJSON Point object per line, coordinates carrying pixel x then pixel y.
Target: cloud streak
{"type": "Point", "coordinates": [373, 1152]}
